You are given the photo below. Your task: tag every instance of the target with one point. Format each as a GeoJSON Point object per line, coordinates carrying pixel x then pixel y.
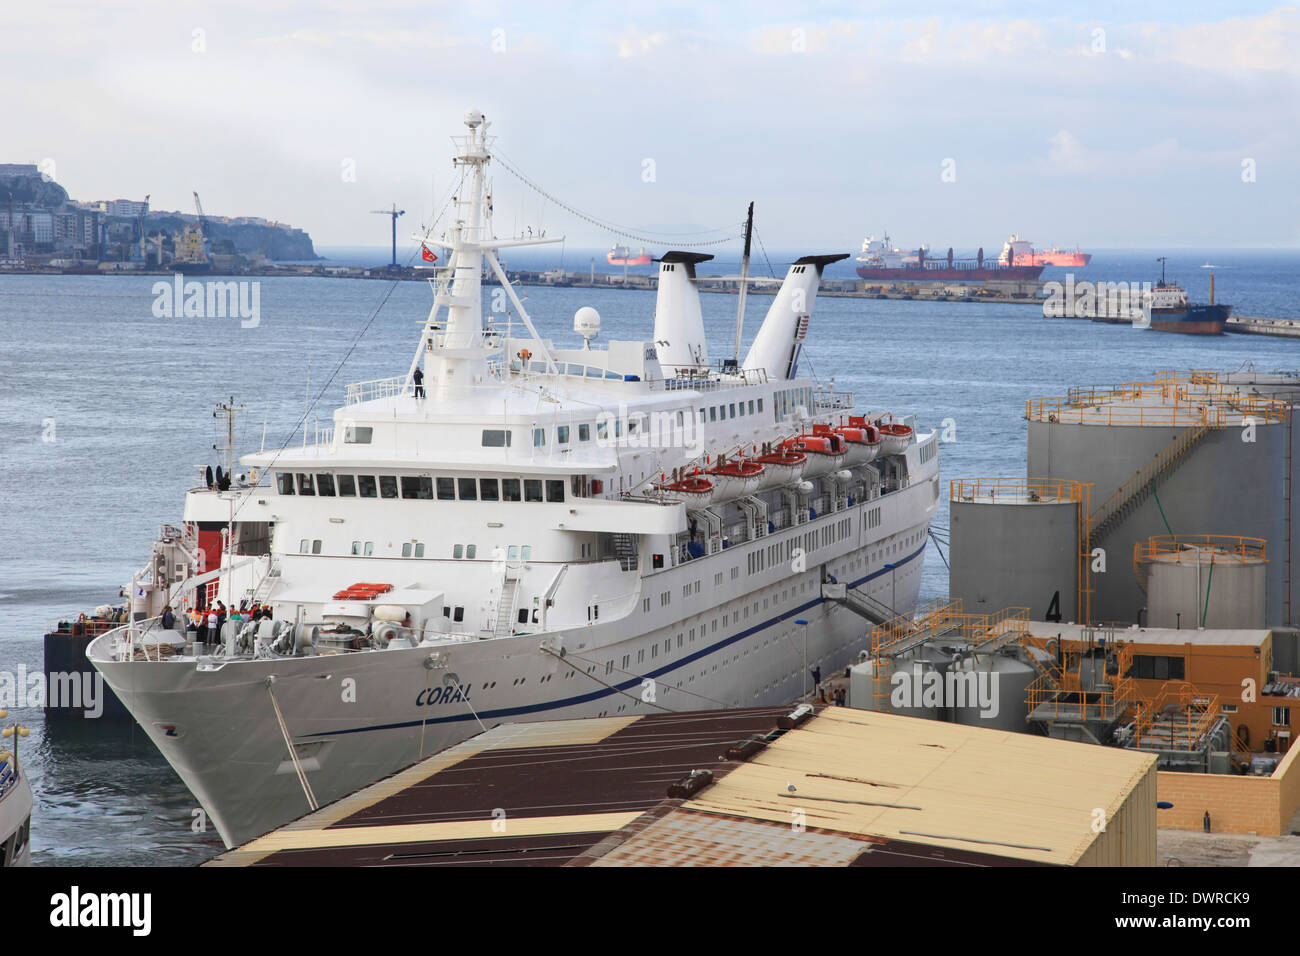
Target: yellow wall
{"type": "Point", "coordinates": [1237, 804]}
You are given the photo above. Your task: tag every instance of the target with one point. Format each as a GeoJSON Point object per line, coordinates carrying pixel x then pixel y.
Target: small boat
{"type": "Point", "coordinates": [696, 489]}
{"type": "Point", "coordinates": [894, 438]}
{"type": "Point", "coordinates": [863, 441]}
{"type": "Point", "coordinates": [735, 478]}
{"type": "Point", "coordinates": [825, 452]}
{"type": "Point", "coordinates": [783, 466]}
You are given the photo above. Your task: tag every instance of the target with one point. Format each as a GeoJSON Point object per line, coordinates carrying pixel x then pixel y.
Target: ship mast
{"type": "Point", "coordinates": [456, 354]}
{"type": "Point", "coordinates": [744, 281]}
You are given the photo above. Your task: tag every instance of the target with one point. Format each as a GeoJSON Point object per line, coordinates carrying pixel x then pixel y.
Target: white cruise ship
{"type": "Point", "coordinates": [522, 531]}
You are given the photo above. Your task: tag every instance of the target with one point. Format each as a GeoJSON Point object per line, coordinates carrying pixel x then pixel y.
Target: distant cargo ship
{"type": "Point", "coordinates": [880, 261]}
{"type": "Point", "coordinates": [1171, 311]}
{"type": "Point", "coordinates": [622, 256]}
{"type": "Point", "coordinates": [1020, 252]}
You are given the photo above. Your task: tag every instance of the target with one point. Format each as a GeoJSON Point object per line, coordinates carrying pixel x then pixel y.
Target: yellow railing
{"type": "Point", "coordinates": [1223, 547]}
{"type": "Point", "coordinates": [1195, 714]}
{"type": "Point", "coordinates": [1178, 399]}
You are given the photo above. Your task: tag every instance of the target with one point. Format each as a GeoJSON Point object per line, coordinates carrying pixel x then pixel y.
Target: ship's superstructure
{"type": "Point", "coordinates": [1021, 252]}
{"type": "Point", "coordinates": [512, 529]}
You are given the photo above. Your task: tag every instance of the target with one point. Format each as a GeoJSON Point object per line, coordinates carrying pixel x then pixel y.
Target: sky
{"type": "Point", "coordinates": [1106, 125]}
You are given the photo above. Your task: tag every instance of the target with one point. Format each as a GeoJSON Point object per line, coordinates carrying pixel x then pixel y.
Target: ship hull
{"type": "Point", "coordinates": [1058, 259]}
{"type": "Point", "coordinates": [217, 726]}
{"type": "Point", "coordinates": [1192, 320]}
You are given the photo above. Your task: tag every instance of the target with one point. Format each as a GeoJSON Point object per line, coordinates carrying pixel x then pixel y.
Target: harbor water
{"type": "Point", "coordinates": [106, 410]}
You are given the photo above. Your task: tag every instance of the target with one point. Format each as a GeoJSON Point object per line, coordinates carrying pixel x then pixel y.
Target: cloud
{"type": "Point", "coordinates": [634, 42]}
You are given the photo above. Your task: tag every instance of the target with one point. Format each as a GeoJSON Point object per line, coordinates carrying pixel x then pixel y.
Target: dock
{"type": "Point", "coordinates": [1258, 325]}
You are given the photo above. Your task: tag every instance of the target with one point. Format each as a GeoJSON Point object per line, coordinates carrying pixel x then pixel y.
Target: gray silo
{"type": "Point", "coordinates": [1209, 581]}
{"type": "Point", "coordinates": [1008, 679]}
{"type": "Point", "coordinates": [1188, 453]}
{"type": "Point", "coordinates": [1015, 543]}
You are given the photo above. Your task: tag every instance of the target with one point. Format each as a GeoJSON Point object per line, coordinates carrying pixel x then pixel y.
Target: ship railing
{"type": "Point", "coordinates": [832, 401]}
{"type": "Point", "coordinates": [377, 388]}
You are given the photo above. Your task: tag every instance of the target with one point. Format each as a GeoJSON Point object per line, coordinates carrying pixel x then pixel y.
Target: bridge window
{"type": "Point", "coordinates": [305, 486]}
{"type": "Point", "coordinates": [388, 486]}
{"type": "Point", "coordinates": [446, 489]}
{"type": "Point", "coordinates": [356, 547]}
{"type": "Point", "coordinates": [471, 551]}
{"type": "Point", "coordinates": [562, 434]}
{"type": "Point", "coordinates": [468, 489]}
{"type": "Point", "coordinates": [532, 489]}
{"type": "Point", "coordinates": [487, 489]}
{"type": "Point", "coordinates": [284, 482]}
{"type": "Point", "coordinates": [458, 551]}
{"type": "Point", "coordinates": [370, 548]}
{"type": "Point", "coordinates": [496, 438]}
{"type": "Point", "coordinates": [584, 432]}
{"type": "Point", "coordinates": [555, 490]}
{"type": "Point", "coordinates": [367, 486]}
{"type": "Point", "coordinates": [358, 435]}
{"type": "Point", "coordinates": [713, 413]}
{"type": "Point", "coordinates": [510, 489]}
{"type": "Point", "coordinates": [347, 486]}
{"type": "Point", "coordinates": [414, 486]}
{"type": "Point", "coordinates": [539, 437]}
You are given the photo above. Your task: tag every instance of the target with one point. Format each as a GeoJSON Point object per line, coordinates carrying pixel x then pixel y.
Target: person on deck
{"type": "Point", "coordinates": [418, 378]}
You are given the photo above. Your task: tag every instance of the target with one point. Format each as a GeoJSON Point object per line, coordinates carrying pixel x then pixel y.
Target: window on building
{"type": "Point", "coordinates": [1153, 667]}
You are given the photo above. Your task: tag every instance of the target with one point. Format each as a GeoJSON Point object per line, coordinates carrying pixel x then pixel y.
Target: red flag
{"type": "Point", "coordinates": [426, 255]}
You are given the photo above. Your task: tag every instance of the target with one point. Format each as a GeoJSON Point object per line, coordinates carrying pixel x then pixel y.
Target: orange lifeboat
{"type": "Point", "coordinates": [894, 438]}
{"type": "Point", "coordinates": [736, 477]}
{"type": "Point", "coordinates": [696, 488]}
{"type": "Point", "coordinates": [825, 451]}
{"type": "Point", "coordinates": [863, 441]}
{"type": "Point", "coordinates": [783, 466]}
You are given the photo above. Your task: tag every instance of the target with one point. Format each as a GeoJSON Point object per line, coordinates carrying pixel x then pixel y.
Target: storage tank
{"type": "Point", "coordinates": [1001, 679]}
{"type": "Point", "coordinates": [1189, 450]}
{"type": "Point", "coordinates": [1213, 581]}
{"type": "Point", "coordinates": [1015, 543]}
{"type": "Point", "coordinates": [912, 667]}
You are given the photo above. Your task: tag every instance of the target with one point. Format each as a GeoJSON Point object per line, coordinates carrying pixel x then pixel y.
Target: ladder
{"type": "Point", "coordinates": [264, 586]}
{"type": "Point", "coordinates": [625, 550]}
{"type": "Point", "coordinates": [1132, 493]}
{"type": "Point", "coordinates": [506, 607]}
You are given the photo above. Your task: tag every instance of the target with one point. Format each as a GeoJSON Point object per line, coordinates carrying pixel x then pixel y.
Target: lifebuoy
{"type": "Point", "coordinates": [82, 617]}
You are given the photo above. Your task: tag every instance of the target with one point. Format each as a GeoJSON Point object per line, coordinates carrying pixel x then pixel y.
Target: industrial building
{"type": "Point", "coordinates": [758, 786]}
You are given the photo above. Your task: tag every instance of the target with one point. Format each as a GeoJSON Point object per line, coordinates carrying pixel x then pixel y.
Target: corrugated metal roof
{"type": "Point", "coordinates": [942, 784]}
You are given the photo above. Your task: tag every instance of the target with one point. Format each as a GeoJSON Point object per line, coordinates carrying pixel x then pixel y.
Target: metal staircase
{"type": "Point", "coordinates": [506, 607]}
{"type": "Point", "coordinates": [625, 549]}
{"type": "Point", "coordinates": [860, 604]}
{"type": "Point", "coordinates": [1130, 495]}
{"type": "Point", "coordinates": [264, 586]}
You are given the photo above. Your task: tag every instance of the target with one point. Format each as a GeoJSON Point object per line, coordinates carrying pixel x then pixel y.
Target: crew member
{"type": "Point", "coordinates": [418, 378]}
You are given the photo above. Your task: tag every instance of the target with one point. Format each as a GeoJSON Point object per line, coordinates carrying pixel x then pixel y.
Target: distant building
{"type": "Point", "coordinates": [127, 208]}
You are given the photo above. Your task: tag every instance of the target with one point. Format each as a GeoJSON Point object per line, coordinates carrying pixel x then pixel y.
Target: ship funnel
{"type": "Point", "coordinates": [780, 338]}
{"type": "Point", "coordinates": [679, 323]}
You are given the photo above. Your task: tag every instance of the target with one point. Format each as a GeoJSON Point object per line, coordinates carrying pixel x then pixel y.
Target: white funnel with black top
{"type": "Point", "coordinates": [780, 338]}
{"type": "Point", "coordinates": [679, 323]}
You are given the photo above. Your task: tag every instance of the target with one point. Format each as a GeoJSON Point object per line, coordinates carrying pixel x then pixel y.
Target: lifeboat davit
{"type": "Point", "coordinates": [696, 489]}
{"type": "Point", "coordinates": [825, 452]}
{"type": "Point", "coordinates": [894, 438]}
{"type": "Point", "coordinates": [735, 478]}
{"type": "Point", "coordinates": [784, 466]}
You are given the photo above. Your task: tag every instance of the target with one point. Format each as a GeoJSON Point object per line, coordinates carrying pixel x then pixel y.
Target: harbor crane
{"type": "Point", "coordinates": [394, 212]}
